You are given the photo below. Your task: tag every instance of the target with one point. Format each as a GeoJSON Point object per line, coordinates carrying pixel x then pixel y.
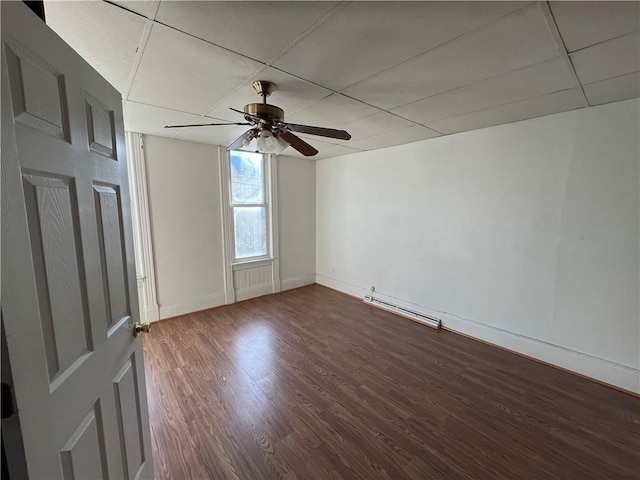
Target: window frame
{"type": "Point", "coordinates": [267, 185]}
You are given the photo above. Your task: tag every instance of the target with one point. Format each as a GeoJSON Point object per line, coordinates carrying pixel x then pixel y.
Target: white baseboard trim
{"type": "Point", "coordinates": [344, 287]}
{"type": "Point", "coordinates": [194, 305]}
{"type": "Point", "coordinates": [297, 282]}
{"type": "Point", "coordinates": [255, 291]}
{"type": "Point", "coordinates": [621, 376]}
{"type": "Point", "coordinates": [152, 314]}
{"type": "Point", "coordinates": [229, 297]}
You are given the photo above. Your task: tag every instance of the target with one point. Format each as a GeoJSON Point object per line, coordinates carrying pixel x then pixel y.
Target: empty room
{"type": "Point", "coordinates": [320, 240]}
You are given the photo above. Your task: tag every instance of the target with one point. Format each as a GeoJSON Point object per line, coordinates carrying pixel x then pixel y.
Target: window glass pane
{"type": "Point", "coordinates": [250, 224]}
{"type": "Point", "coordinates": [246, 177]}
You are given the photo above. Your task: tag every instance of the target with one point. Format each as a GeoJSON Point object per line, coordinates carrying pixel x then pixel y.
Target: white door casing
{"type": "Point", "coordinates": [142, 238]}
{"type": "Point", "coordinates": [69, 296]}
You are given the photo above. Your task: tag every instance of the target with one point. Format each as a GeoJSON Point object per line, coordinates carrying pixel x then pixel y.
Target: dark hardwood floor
{"type": "Point", "coordinates": [312, 383]}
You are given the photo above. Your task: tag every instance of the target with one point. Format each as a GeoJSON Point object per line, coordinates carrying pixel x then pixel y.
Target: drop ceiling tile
{"type": "Point", "coordinates": [614, 89]}
{"type": "Point", "coordinates": [582, 24]}
{"type": "Point", "coordinates": [106, 36]}
{"type": "Point", "coordinates": [364, 38]}
{"type": "Point", "coordinates": [373, 125]}
{"type": "Point", "coordinates": [377, 124]}
{"type": "Point", "coordinates": [512, 112]}
{"type": "Point", "coordinates": [608, 59]}
{"type": "Point", "coordinates": [335, 111]}
{"type": "Point", "coordinates": [146, 8]}
{"type": "Point", "coordinates": [259, 30]}
{"type": "Point", "coordinates": [151, 120]}
{"type": "Point", "coordinates": [292, 94]}
{"type": "Point", "coordinates": [533, 81]}
{"type": "Point", "coordinates": [325, 150]}
{"type": "Point", "coordinates": [398, 137]}
{"type": "Point", "coordinates": [222, 135]}
{"type": "Point", "coordinates": [184, 73]}
{"type": "Point", "coordinates": [518, 40]}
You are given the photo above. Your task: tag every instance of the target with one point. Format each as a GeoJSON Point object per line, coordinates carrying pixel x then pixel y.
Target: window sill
{"type": "Point", "coordinates": [251, 263]}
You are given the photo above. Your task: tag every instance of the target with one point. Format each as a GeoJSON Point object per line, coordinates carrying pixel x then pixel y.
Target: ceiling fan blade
{"type": "Point", "coordinates": [321, 131]}
{"type": "Point", "coordinates": [204, 125]}
{"type": "Point", "coordinates": [299, 144]}
{"type": "Point", "coordinates": [239, 142]}
{"type": "Point", "coordinates": [247, 116]}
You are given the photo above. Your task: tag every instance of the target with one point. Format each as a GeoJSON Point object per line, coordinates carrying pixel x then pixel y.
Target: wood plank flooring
{"type": "Point", "coordinates": [313, 384]}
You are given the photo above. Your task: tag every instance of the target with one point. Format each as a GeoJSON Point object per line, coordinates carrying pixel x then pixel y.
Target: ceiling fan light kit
{"type": "Point", "coordinates": [271, 132]}
{"type": "Point", "coordinates": [269, 143]}
{"type": "Point", "coordinates": [248, 137]}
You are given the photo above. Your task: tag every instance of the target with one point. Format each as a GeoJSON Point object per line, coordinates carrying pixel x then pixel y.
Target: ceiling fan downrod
{"type": "Point", "coordinates": [269, 114]}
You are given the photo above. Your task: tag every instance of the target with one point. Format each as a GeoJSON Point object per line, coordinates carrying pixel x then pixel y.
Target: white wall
{"type": "Point", "coordinates": [297, 221]}
{"type": "Point", "coordinates": [184, 197]}
{"type": "Point", "coordinates": [187, 226]}
{"type": "Point", "coordinates": [525, 235]}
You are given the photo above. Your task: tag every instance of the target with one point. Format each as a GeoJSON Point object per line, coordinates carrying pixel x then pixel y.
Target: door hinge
{"type": "Point", "coordinates": [8, 406]}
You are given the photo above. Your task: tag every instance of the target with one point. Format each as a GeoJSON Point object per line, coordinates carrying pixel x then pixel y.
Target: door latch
{"type": "Point", "coordinates": [141, 327]}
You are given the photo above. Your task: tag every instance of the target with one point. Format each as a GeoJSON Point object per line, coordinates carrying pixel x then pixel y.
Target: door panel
{"type": "Point", "coordinates": [37, 92]}
{"type": "Point", "coordinates": [111, 238]}
{"type": "Point", "coordinates": [129, 419]}
{"type": "Point", "coordinates": [83, 455]}
{"type": "Point", "coordinates": [68, 277]}
{"type": "Point", "coordinates": [100, 128]}
{"type": "Point", "coordinates": [54, 238]}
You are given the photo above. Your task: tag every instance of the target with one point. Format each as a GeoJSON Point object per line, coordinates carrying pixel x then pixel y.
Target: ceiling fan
{"type": "Point", "coordinates": [273, 134]}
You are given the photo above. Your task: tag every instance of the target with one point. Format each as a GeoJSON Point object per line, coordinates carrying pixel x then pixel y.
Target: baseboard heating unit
{"type": "Point", "coordinates": [404, 312]}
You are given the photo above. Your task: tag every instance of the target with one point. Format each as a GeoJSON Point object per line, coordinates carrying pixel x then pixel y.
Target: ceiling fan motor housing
{"type": "Point", "coordinates": [264, 110]}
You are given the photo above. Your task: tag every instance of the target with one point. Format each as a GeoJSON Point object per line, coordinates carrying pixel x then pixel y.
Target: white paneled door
{"type": "Point", "coordinates": [69, 299]}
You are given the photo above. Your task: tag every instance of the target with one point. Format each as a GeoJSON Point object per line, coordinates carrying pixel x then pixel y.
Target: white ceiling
{"type": "Point", "coordinates": [387, 72]}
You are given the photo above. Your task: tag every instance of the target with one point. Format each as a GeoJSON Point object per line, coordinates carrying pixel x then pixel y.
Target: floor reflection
{"type": "Point", "coordinates": [253, 352]}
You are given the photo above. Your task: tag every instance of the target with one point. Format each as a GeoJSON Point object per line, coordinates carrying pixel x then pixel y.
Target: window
{"type": "Point", "coordinates": [249, 205]}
